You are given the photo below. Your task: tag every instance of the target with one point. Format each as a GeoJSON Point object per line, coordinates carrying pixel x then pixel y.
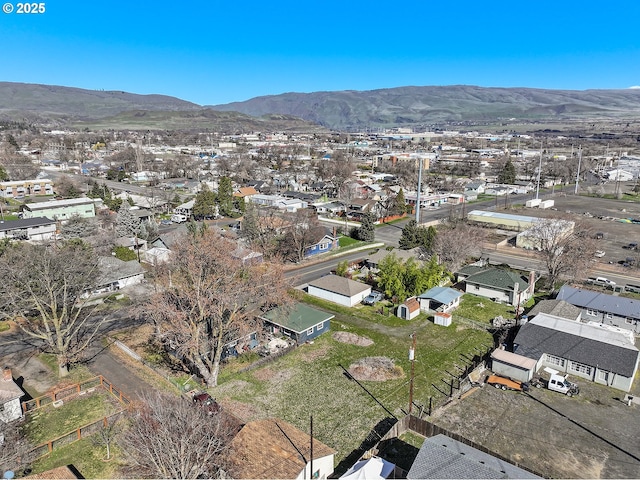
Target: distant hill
{"type": "Point", "coordinates": [428, 105]}
{"type": "Point", "coordinates": [80, 108]}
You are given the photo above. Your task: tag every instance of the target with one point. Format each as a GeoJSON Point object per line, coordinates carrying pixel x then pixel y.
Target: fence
{"type": "Point", "coordinates": [74, 435]}
{"type": "Point", "coordinates": [272, 357]}
{"type": "Point", "coordinates": [72, 391]}
{"type": "Point", "coordinates": [428, 429]}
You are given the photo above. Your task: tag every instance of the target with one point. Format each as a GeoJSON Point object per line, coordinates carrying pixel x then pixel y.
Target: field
{"type": "Point", "coordinates": [310, 381]}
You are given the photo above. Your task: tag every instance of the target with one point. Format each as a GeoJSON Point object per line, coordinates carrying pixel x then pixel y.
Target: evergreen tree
{"type": "Point", "coordinates": [399, 204]}
{"type": "Point", "coordinates": [367, 230]}
{"type": "Point", "coordinates": [508, 173]}
{"type": "Point", "coordinates": [127, 224]}
{"type": "Point", "coordinates": [409, 236]}
{"type": "Point", "coordinates": [205, 204]}
{"type": "Point", "coordinates": [225, 196]}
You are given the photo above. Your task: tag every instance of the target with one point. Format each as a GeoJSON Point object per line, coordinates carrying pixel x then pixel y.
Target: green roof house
{"type": "Point", "coordinates": [299, 322]}
{"type": "Point", "coordinates": [503, 286]}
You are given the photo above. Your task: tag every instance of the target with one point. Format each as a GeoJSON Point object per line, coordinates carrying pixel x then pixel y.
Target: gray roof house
{"type": "Point", "coordinates": [340, 290]}
{"type": "Point", "coordinates": [443, 457]}
{"type": "Point", "coordinates": [374, 260]}
{"type": "Point", "coordinates": [599, 307]}
{"type": "Point", "coordinates": [504, 286]}
{"type": "Point", "coordinates": [35, 229]}
{"type": "Point", "coordinates": [556, 307]}
{"type": "Point", "coordinates": [115, 274]}
{"type": "Point", "coordinates": [594, 352]}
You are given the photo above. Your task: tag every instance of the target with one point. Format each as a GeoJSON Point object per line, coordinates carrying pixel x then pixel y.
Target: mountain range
{"type": "Point", "coordinates": [392, 107]}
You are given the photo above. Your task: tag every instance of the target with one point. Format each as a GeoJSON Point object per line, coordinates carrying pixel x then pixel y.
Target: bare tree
{"type": "Point", "coordinates": [14, 447]}
{"type": "Point", "coordinates": [168, 437]}
{"type": "Point", "coordinates": [210, 298]}
{"type": "Point", "coordinates": [303, 231]}
{"type": "Point", "coordinates": [455, 242]}
{"type": "Point", "coordinates": [45, 286]}
{"type": "Point", "coordinates": [107, 434]}
{"type": "Point", "coordinates": [565, 251]}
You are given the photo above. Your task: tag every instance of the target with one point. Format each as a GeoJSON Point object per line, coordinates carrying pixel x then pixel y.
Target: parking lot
{"type": "Point", "coordinates": [592, 435]}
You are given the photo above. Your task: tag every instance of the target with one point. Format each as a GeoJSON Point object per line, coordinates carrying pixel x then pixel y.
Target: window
{"type": "Point", "coordinates": [602, 375]}
{"type": "Point", "coordinates": [580, 368]}
{"type": "Point", "coordinates": [477, 287]}
{"type": "Point", "coordinates": [310, 331]}
{"type": "Point", "coordinates": [555, 360]}
{"type": "Point", "coordinates": [628, 321]}
{"type": "Point", "coordinates": [593, 313]}
{"type": "Point", "coordinates": [320, 326]}
{"type": "Point", "coordinates": [608, 316]}
{"type": "Point", "coordinates": [324, 246]}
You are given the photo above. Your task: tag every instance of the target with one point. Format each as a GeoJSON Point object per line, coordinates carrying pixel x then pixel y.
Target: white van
{"type": "Point", "coordinates": [178, 218]}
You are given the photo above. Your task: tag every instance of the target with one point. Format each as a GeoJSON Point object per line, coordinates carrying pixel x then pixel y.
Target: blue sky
{"type": "Point", "coordinates": [211, 52]}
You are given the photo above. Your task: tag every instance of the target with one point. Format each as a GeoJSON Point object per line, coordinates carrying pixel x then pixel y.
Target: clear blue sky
{"type": "Point", "coordinates": [210, 51]}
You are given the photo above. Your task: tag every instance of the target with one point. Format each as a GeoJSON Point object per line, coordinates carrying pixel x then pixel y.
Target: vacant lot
{"type": "Point", "coordinates": [593, 435]}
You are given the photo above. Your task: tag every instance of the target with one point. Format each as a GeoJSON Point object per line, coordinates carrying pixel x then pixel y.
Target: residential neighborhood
{"type": "Point", "coordinates": [327, 304]}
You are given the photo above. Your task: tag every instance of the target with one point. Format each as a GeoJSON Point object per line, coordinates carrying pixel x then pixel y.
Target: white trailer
{"type": "Point", "coordinates": [533, 203]}
{"type": "Point", "coordinates": [547, 203]}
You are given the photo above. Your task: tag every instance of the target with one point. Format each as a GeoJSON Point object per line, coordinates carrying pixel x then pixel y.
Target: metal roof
{"type": "Point", "coordinates": [299, 318]}
{"type": "Point", "coordinates": [620, 306]}
{"type": "Point", "coordinates": [444, 295]}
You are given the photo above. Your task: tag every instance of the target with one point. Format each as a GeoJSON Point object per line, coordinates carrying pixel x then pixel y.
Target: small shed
{"type": "Point", "coordinates": [513, 365]}
{"type": "Point", "coordinates": [440, 299]}
{"type": "Point", "coordinates": [442, 318]}
{"type": "Point", "coordinates": [409, 310]}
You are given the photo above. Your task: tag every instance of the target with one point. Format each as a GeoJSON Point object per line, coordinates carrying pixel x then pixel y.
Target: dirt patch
{"type": "Point", "coordinates": [311, 355]}
{"type": "Point", "coordinates": [376, 369]}
{"type": "Point", "coordinates": [243, 411]}
{"type": "Point", "coordinates": [352, 338]}
{"type": "Point", "coordinates": [268, 375]}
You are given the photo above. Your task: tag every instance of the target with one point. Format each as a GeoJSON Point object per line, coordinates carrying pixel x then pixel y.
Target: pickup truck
{"type": "Point", "coordinates": [601, 281]}
{"type": "Point", "coordinates": [506, 383]}
{"type": "Point", "coordinates": [557, 383]}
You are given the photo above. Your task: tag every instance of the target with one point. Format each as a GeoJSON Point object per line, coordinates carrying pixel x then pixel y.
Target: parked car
{"type": "Point", "coordinates": [506, 383]}
{"type": "Point", "coordinates": [632, 288]}
{"type": "Point", "coordinates": [631, 246]}
{"type": "Point", "coordinates": [601, 281]}
{"type": "Point", "coordinates": [599, 253]}
{"type": "Point", "coordinates": [205, 400]}
{"type": "Point", "coordinates": [372, 298]}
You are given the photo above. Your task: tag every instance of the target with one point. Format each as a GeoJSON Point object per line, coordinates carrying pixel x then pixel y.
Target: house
{"type": "Point", "coordinates": [440, 299]}
{"type": "Point", "coordinates": [156, 255]}
{"type": "Point", "coordinates": [597, 353]}
{"type": "Point", "coordinates": [599, 307]}
{"type": "Point", "coordinates": [443, 457]}
{"type": "Point", "coordinates": [474, 188]}
{"type": "Point", "coordinates": [502, 286]}
{"type": "Point", "coordinates": [299, 322]}
{"type": "Point", "coordinates": [61, 210]}
{"type": "Point", "coordinates": [373, 261]}
{"type": "Point", "coordinates": [558, 308]}
{"type": "Point", "coordinates": [340, 290]}
{"type": "Point", "coordinates": [132, 243]}
{"type": "Point", "coordinates": [185, 209]}
{"type": "Point", "coordinates": [534, 238]}
{"type": "Point", "coordinates": [37, 229]}
{"type": "Point", "coordinates": [22, 188]}
{"type": "Point", "coordinates": [115, 274]}
{"type": "Point", "coordinates": [245, 193]}
{"type": "Point", "coordinates": [10, 394]}
{"type": "Point", "coordinates": [409, 309]}
{"type": "Point", "coordinates": [273, 448]}
{"type": "Point", "coordinates": [326, 243]}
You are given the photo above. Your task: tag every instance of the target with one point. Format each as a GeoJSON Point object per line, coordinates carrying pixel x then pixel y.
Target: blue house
{"type": "Point", "coordinates": [299, 322]}
{"type": "Point", "coordinates": [323, 245]}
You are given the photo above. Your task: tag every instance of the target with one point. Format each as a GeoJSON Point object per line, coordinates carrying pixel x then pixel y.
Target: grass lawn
{"type": "Point", "coordinates": [48, 423]}
{"type": "Point", "coordinates": [309, 380]}
{"type": "Point", "coordinates": [86, 456]}
{"type": "Point", "coordinates": [482, 309]}
{"type": "Point", "coordinates": [345, 241]}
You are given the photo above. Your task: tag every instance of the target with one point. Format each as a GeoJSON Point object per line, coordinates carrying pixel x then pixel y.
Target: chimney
{"type": "Point", "coordinates": [6, 375]}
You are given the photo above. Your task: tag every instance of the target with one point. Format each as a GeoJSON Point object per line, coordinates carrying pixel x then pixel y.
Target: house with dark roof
{"type": "Point", "coordinates": [599, 307]}
{"type": "Point", "coordinates": [273, 448]}
{"type": "Point", "coordinates": [594, 352]}
{"type": "Point", "coordinates": [37, 229]}
{"type": "Point", "coordinates": [556, 307]}
{"type": "Point", "coordinates": [115, 274]}
{"type": "Point", "coordinates": [443, 457]}
{"type": "Point", "coordinates": [300, 322]}
{"type": "Point", "coordinates": [340, 290]}
{"type": "Point", "coordinates": [500, 285]}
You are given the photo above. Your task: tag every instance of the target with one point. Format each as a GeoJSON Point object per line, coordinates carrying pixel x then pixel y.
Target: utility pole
{"type": "Point", "coordinates": [420, 161]}
{"type": "Point", "coordinates": [539, 172]}
{"type": "Point", "coordinates": [579, 163]}
{"type": "Point", "coordinates": [412, 358]}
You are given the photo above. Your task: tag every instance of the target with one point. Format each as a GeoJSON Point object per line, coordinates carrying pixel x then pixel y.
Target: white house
{"type": "Point", "coordinates": [340, 290]}
{"type": "Point", "coordinates": [10, 394]}
{"type": "Point", "coordinates": [115, 274]}
{"type": "Point", "coordinates": [38, 229]}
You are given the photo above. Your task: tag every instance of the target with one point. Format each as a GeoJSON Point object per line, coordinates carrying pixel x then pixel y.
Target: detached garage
{"type": "Point", "coordinates": [340, 290]}
{"type": "Point", "coordinates": [513, 365]}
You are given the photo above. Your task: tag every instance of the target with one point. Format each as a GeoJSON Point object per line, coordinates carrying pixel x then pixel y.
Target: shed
{"type": "Point", "coordinates": [442, 318]}
{"type": "Point", "coordinates": [441, 299]}
{"type": "Point", "coordinates": [513, 365]}
{"type": "Point", "coordinates": [409, 310]}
